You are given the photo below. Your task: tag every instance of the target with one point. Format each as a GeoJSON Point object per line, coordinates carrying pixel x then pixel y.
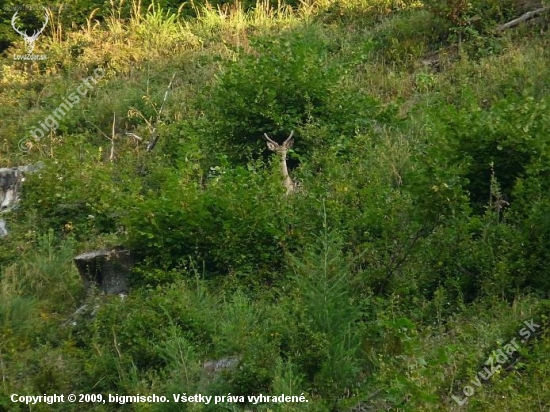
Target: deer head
{"type": "Point", "coordinates": [29, 40]}
{"type": "Point", "coordinates": [280, 148]}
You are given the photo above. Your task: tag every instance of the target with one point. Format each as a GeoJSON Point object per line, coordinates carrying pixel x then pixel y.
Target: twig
{"type": "Point", "coordinates": [111, 139]}
{"type": "Point", "coordinates": [135, 136]}
{"type": "Point", "coordinates": [154, 138]}
{"type": "Point", "coordinates": [113, 135]}
{"type": "Point", "coordinates": [99, 130]}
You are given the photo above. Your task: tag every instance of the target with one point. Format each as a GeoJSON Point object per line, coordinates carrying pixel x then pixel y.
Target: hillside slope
{"type": "Point", "coordinates": [407, 271]}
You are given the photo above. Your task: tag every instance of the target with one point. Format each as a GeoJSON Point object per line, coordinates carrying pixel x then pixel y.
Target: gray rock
{"type": "Point", "coordinates": [10, 188]}
{"type": "Point", "coordinates": [3, 230]}
{"type": "Point", "coordinates": [106, 269]}
{"type": "Point", "coordinates": [216, 366]}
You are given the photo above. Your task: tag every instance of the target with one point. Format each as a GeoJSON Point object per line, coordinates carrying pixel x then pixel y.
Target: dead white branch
{"type": "Point", "coordinates": [522, 18]}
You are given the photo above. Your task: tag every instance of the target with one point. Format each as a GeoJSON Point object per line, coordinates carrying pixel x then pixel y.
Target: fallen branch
{"type": "Point", "coordinates": [522, 18]}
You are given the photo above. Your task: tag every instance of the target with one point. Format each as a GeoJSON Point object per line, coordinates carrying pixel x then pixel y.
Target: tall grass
{"type": "Point", "coordinates": [46, 273]}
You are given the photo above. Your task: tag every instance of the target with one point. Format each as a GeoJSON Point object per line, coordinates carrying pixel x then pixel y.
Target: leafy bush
{"type": "Point", "coordinates": [285, 82]}
{"type": "Point", "coordinates": [56, 196]}
{"type": "Point", "coordinates": [472, 22]}
{"type": "Point", "coordinates": [507, 137]}
{"type": "Point", "coordinates": [242, 234]}
{"type": "Point", "coordinates": [462, 13]}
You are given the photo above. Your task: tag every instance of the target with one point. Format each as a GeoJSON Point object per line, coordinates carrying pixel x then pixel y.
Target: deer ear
{"type": "Point", "coordinates": [271, 146]}
{"type": "Point", "coordinates": [290, 143]}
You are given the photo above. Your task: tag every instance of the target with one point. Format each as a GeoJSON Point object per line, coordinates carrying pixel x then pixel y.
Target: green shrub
{"type": "Point", "coordinates": [234, 226]}
{"type": "Point", "coordinates": [477, 13]}
{"type": "Point", "coordinates": [68, 197]}
{"type": "Point", "coordinates": [506, 137]}
{"type": "Point", "coordinates": [285, 82]}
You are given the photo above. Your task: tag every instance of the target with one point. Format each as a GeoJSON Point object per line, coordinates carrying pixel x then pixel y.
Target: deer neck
{"type": "Point", "coordinates": [284, 168]}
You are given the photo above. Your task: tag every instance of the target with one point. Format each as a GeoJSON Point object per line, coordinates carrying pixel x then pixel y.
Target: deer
{"type": "Point", "coordinates": [29, 40]}
{"type": "Point", "coordinates": [281, 150]}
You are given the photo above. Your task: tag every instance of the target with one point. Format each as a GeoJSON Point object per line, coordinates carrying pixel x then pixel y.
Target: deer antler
{"type": "Point", "coordinates": [289, 137]}
{"type": "Point", "coordinates": [277, 144]}
{"type": "Point", "coordinates": [269, 140]}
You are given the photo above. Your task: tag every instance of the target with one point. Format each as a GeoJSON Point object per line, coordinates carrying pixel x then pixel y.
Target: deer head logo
{"type": "Point", "coordinates": [29, 40]}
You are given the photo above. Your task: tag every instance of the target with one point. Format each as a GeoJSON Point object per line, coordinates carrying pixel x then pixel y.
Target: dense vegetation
{"type": "Point", "coordinates": [417, 245]}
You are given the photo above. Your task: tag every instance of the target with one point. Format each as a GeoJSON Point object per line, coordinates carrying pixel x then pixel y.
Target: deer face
{"type": "Point", "coordinates": [279, 148]}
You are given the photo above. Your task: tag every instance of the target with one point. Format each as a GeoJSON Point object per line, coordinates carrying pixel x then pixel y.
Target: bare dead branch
{"type": "Point", "coordinates": [135, 136]}
{"type": "Point", "coordinates": [522, 18]}
{"type": "Point", "coordinates": [112, 139]}
{"type": "Point", "coordinates": [154, 137]}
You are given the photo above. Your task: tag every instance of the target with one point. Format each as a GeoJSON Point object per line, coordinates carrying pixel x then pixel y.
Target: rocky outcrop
{"type": "Point", "coordinates": [213, 369]}
{"type": "Point", "coordinates": [10, 186]}
{"type": "Point", "coordinates": [11, 179]}
{"type": "Point", "coordinates": [3, 230]}
{"type": "Point", "coordinates": [216, 366]}
{"type": "Point", "coordinates": [106, 270]}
